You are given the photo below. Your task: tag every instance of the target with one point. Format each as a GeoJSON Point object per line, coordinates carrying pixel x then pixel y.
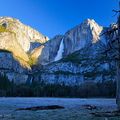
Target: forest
{"type": "Point", "coordinates": [87, 90]}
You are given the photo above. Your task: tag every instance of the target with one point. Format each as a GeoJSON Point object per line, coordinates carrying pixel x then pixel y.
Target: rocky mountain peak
{"type": "Point", "coordinates": [94, 28]}
{"type": "Point", "coordinates": [87, 33]}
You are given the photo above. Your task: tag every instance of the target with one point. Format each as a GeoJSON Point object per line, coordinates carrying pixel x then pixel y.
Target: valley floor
{"type": "Point", "coordinates": [74, 109]}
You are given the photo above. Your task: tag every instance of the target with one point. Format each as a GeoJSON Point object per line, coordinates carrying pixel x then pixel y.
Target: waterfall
{"type": "Point", "coordinates": [60, 51]}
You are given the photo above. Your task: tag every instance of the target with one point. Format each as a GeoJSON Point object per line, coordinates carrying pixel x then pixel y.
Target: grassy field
{"type": "Point", "coordinates": [74, 109]}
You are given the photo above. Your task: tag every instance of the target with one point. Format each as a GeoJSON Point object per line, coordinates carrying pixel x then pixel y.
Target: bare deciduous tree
{"type": "Point", "coordinates": [113, 51]}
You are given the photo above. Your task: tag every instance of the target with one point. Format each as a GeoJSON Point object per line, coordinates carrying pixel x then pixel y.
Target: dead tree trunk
{"type": "Point", "coordinates": [118, 65]}
{"type": "Point", "coordinates": [118, 85]}
{"type": "Point", "coordinates": [114, 45]}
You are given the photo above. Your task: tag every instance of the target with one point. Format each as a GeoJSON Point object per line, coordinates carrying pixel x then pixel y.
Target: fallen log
{"type": "Point", "coordinates": [51, 107]}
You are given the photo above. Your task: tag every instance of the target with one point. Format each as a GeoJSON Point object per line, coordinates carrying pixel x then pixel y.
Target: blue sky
{"type": "Point", "coordinates": [53, 17]}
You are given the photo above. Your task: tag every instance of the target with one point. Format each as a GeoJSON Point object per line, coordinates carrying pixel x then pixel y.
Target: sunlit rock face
{"type": "Point", "coordinates": [24, 34]}
{"type": "Point", "coordinates": [17, 54]}
{"type": "Point", "coordinates": [16, 37]}
{"type": "Point", "coordinates": [12, 68]}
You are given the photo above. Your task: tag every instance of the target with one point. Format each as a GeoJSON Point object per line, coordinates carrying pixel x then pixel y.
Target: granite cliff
{"type": "Point", "coordinates": [17, 50]}
{"type": "Point", "coordinates": [73, 58]}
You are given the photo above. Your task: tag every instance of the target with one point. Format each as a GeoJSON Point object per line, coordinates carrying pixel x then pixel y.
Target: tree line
{"type": "Point", "coordinates": [37, 89]}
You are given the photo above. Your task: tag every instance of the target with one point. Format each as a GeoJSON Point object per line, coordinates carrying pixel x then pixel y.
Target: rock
{"type": "Point", "coordinates": [82, 35]}
{"type": "Point", "coordinates": [15, 37]}
{"type": "Point", "coordinates": [35, 54]}
{"type": "Point", "coordinates": [50, 50]}
{"type": "Point", "coordinates": [17, 54]}
{"type": "Point", "coordinates": [90, 107]}
{"type": "Point", "coordinates": [34, 45]}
